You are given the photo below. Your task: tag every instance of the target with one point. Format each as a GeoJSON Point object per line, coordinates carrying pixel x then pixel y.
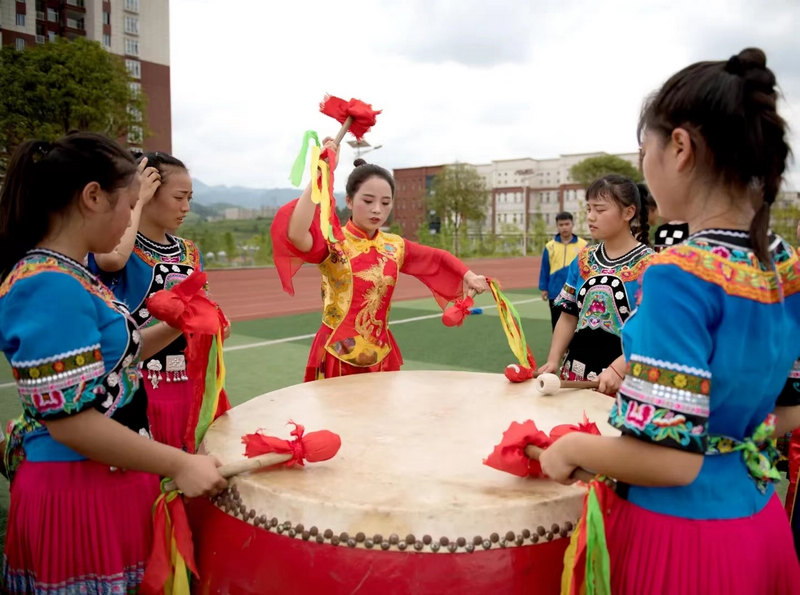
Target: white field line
{"type": "Point", "coordinates": [311, 335]}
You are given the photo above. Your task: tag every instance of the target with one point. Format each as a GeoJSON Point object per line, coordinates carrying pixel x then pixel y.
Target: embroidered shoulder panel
{"type": "Point", "coordinates": [737, 270]}
{"type": "Point", "coordinates": [42, 261]}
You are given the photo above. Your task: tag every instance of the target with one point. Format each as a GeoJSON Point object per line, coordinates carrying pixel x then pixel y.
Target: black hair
{"type": "Point", "coordinates": [729, 109]}
{"type": "Point", "coordinates": [648, 202]}
{"type": "Point", "coordinates": [162, 162]}
{"type": "Point", "coordinates": [564, 216]}
{"type": "Point", "coordinates": [625, 193]}
{"type": "Point", "coordinates": [45, 178]}
{"type": "Point", "coordinates": [364, 171]}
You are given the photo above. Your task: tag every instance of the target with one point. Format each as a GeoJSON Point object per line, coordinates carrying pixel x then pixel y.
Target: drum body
{"type": "Point", "coordinates": [406, 506]}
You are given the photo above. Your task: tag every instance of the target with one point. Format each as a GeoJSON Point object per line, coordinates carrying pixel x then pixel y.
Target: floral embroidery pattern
{"type": "Point", "coordinates": [58, 365]}
{"type": "Point", "coordinates": [589, 266]}
{"type": "Point", "coordinates": [41, 261]}
{"type": "Point", "coordinates": [670, 378]}
{"type": "Point", "coordinates": [659, 425]}
{"type": "Point", "coordinates": [736, 270]}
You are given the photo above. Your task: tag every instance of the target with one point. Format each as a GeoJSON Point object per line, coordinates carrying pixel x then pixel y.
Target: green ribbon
{"type": "Point", "coordinates": [759, 453]}
{"type": "Point", "coordinates": [296, 177]}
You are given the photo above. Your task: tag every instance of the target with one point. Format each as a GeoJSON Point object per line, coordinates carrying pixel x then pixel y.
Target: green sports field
{"type": "Point", "coordinates": [271, 353]}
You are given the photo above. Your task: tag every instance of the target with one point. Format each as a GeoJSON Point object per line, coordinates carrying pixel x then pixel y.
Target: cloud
{"type": "Point", "coordinates": [469, 81]}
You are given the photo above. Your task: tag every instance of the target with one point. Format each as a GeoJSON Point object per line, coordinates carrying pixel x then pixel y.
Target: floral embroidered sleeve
{"type": "Point", "coordinates": [664, 397]}
{"type": "Point", "coordinates": [51, 337]}
{"type": "Point", "coordinates": [790, 395]}
{"type": "Point", "coordinates": [567, 298]}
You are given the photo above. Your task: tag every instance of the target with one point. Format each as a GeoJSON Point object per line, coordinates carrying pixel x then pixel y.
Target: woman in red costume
{"type": "Point", "coordinates": [359, 274]}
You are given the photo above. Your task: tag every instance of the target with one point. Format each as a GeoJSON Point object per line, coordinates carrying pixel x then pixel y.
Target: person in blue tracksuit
{"type": "Point", "coordinates": [558, 254]}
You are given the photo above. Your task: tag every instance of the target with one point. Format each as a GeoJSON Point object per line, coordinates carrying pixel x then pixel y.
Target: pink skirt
{"type": "Point", "coordinates": [168, 409]}
{"type": "Point", "coordinates": [658, 553]}
{"type": "Point", "coordinates": [78, 527]}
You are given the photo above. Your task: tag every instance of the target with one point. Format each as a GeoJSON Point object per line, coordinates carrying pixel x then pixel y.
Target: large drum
{"type": "Point", "coordinates": [406, 506]}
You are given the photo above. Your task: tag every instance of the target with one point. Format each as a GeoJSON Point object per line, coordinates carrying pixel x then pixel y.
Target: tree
{"type": "Point", "coordinates": [458, 194]}
{"type": "Point", "coordinates": [231, 249]}
{"type": "Point", "coordinates": [53, 88]}
{"type": "Point", "coordinates": [588, 170]}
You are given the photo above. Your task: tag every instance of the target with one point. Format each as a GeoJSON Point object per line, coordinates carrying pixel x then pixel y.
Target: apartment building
{"type": "Point", "coordinates": [137, 30]}
{"type": "Point", "coordinates": [520, 190]}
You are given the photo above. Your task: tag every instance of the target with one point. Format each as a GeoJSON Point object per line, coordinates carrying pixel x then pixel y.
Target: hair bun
{"type": "Point", "coordinates": [359, 162]}
{"type": "Point", "coordinates": [751, 65]}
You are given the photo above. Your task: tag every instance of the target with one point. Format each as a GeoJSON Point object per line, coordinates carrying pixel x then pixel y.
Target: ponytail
{"type": "Point", "coordinates": [44, 179]}
{"type": "Point", "coordinates": [22, 222]}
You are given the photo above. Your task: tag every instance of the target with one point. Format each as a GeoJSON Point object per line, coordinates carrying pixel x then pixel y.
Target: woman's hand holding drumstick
{"type": "Point", "coordinates": [243, 466]}
{"type": "Point", "coordinates": [578, 473]}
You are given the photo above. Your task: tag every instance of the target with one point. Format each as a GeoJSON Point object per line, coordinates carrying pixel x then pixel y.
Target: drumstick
{"type": "Point", "coordinates": [549, 384]}
{"type": "Point", "coordinates": [579, 473]}
{"type": "Point", "coordinates": [242, 466]}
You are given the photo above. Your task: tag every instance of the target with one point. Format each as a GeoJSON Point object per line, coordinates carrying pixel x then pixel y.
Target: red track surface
{"type": "Point", "coordinates": [245, 294]}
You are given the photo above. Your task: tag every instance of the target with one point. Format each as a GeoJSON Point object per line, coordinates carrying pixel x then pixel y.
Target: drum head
{"type": "Point", "coordinates": [410, 463]}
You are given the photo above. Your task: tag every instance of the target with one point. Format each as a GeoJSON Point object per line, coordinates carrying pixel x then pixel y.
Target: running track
{"type": "Point", "coordinates": [246, 294]}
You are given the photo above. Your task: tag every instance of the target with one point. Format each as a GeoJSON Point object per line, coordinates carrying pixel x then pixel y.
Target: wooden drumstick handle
{"type": "Point", "coordinates": [579, 384]}
{"type": "Point", "coordinates": [343, 130]}
{"type": "Point", "coordinates": [243, 466]}
{"type": "Point", "coordinates": [580, 473]}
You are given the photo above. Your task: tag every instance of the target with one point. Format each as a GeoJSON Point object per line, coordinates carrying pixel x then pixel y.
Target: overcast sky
{"type": "Point", "coordinates": [457, 80]}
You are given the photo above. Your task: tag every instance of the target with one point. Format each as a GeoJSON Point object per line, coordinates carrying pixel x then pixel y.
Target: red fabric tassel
{"type": "Point", "coordinates": [510, 455]}
{"type": "Point", "coordinates": [517, 373]}
{"type": "Point", "coordinates": [455, 314]}
{"type": "Point", "coordinates": [364, 116]}
{"type": "Point", "coordinates": [314, 446]}
{"type": "Point", "coordinates": [169, 523]}
{"type": "Point", "coordinates": [586, 426]}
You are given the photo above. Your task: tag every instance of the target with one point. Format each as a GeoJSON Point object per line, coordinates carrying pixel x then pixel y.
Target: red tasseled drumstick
{"type": "Point", "coordinates": [354, 115]}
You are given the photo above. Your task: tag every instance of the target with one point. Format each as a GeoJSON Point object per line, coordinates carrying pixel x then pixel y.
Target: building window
{"type": "Point", "coordinates": [106, 40]}
{"type": "Point", "coordinates": [20, 20]}
{"type": "Point", "coordinates": [106, 18]}
{"type": "Point", "coordinates": [131, 25]}
{"type": "Point", "coordinates": [20, 44]}
{"type": "Point", "coordinates": [132, 5]}
{"type": "Point", "coordinates": [135, 135]}
{"type": "Point", "coordinates": [135, 88]}
{"type": "Point", "coordinates": [135, 114]}
{"type": "Point", "coordinates": [52, 15]}
{"type": "Point", "coordinates": [134, 68]}
{"type": "Point", "coordinates": [51, 35]}
{"type": "Point", "coordinates": [131, 46]}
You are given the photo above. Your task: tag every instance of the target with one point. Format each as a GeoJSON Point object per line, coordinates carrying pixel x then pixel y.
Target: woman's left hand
{"type": "Point", "coordinates": [475, 283]}
{"type": "Point", "coordinates": [556, 462]}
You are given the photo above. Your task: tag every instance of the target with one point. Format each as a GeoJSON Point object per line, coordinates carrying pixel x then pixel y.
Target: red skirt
{"type": "Point", "coordinates": [322, 364]}
{"type": "Point", "coordinates": [168, 408]}
{"type": "Point", "coordinates": [658, 553]}
{"type": "Point", "coordinates": [78, 527]}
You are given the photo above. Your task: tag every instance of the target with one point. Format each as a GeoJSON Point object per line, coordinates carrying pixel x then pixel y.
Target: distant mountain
{"type": "Point", "coordinates": [248, 198]}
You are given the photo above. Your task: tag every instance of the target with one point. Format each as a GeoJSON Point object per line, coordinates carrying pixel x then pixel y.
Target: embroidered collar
{"type": "Point", "coordinates": [169, 250]}
{"type": "Point", "coordinates": [606, 261]}
{"type": "Point", "coordinates": [353, 229]}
